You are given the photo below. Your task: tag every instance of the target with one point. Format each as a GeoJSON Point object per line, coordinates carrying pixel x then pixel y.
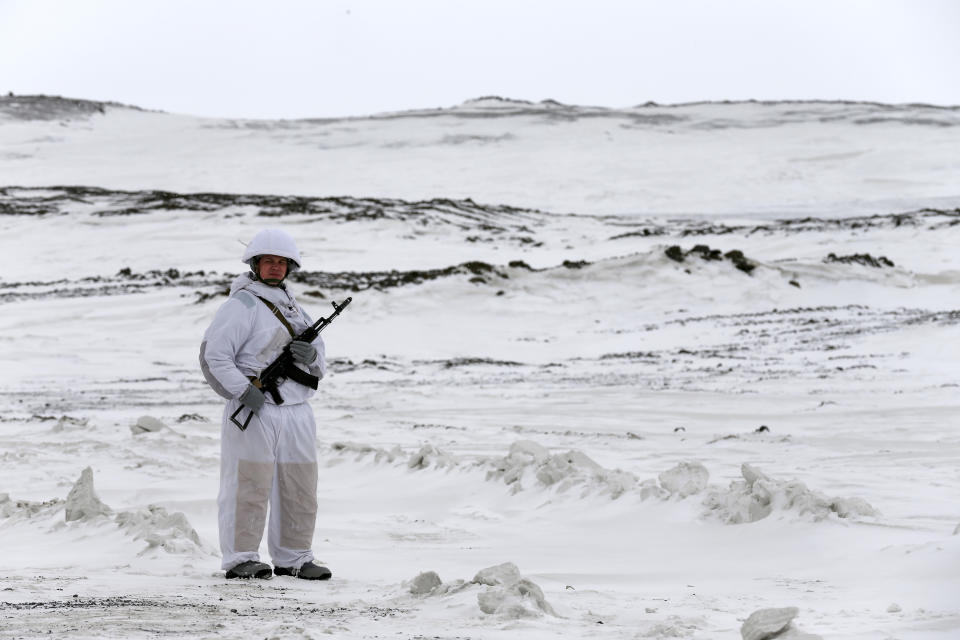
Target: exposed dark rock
{"type": "Point", "coordinates": [42, 107]}
{"type": "Point", "coordinates": [677, 254]}
{"type": "Point", "coordinates": [645, 232]}
{"type": "Point", "coordinates": [467, 362]}
{"type": "Point", "coordinates": [744, 266]}
{"type": "Point", "coordinates": [207, 285]}
{"type": "Point", "coordinates": [478, 268]}
{"type": "Point", "coordinates": [479, 222]}
{"type": "Point", "coordinates": [861, 258]}
{"type": "Point", "coordinates": [192, 417]}
{"type": "Point", "coordinates": [706, 253]}
{"type": "Point", "coordinates": [629, 355]}
{"type": "Point", "coordinates": [360, 281]}
{"type": "Point", "coordinates": [708, 229]}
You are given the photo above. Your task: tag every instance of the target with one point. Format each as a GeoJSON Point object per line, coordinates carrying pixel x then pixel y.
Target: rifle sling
{"type": "Point", "coordinates": [276, 312]}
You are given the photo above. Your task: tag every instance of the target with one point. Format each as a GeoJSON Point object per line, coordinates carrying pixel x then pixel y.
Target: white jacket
{"type": "Point", "coordinates": [245, 337]}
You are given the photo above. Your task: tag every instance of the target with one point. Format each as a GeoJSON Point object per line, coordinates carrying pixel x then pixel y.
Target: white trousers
{"type": "Point", "coordinates": [273, 462]}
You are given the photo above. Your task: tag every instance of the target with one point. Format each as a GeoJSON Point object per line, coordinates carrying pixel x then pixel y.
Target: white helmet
{"type": "Point", "coordinates": [273, 242]}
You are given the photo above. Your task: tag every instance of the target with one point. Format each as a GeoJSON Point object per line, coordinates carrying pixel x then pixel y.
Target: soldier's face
{"type": "Point", "coordinates": [273, 269]}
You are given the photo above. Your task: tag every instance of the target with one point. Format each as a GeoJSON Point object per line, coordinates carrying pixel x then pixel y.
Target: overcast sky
{"type": "Point", "coordinates": [290, 59]}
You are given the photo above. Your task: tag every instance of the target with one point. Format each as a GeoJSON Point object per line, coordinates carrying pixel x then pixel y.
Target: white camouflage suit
{"type": "Point", "coordinates": [275, 460]}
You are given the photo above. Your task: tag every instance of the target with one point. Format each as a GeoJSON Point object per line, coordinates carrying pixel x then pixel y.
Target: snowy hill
{"type": "Point", "coordinates": [770, 159]}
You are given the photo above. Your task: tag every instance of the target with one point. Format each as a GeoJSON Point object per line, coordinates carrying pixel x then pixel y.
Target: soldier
{"type": "Point", "coordinates": [274, 460]}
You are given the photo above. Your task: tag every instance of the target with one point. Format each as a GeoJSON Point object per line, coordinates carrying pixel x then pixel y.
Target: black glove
{"type": "Point", "coordinates": [303, 352]}
{"type": "Point", "coordinates": [252, 398]}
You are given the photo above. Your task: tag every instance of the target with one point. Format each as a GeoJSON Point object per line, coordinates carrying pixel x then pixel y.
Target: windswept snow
{"type": "Point", "coordinates": [552, 409]}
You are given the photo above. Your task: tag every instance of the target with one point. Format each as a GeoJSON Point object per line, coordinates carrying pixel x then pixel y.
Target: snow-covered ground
{"type": "Point", "coordinates": [675, 364]}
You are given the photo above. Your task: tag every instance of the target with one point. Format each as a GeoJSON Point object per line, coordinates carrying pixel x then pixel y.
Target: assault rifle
{"type": "Point", "coordinates": [283, 367]}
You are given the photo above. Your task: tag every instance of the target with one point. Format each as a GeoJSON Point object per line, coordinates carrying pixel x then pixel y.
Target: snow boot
{"type": "Point", "coordinates": [250, 569]}
{"type": "Point", "coordinates": [308, 571]}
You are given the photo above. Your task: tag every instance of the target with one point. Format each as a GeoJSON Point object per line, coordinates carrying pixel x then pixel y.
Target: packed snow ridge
{"type": "Point", "coordinates": [152, 524]}
{"type": "Point", "coordinates": [503, 592]}
{"type": "Point", "coordinates": [774, 624]}
{"type": "Point", "coordinates": [528, 465]}
{"type": "Point", "coordinates": [757, 496]}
